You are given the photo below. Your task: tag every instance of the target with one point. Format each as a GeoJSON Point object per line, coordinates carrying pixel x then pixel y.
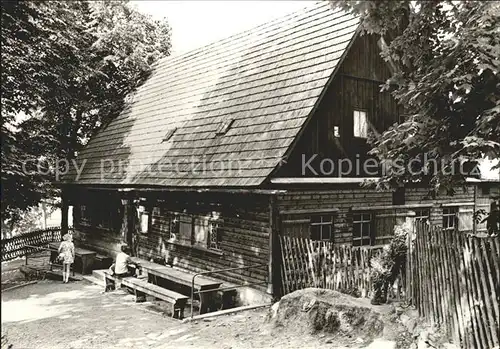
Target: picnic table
{"type": "Point", "coordinates": [86, 257]}
{"type": "Point", "coordinates": [207, 286]}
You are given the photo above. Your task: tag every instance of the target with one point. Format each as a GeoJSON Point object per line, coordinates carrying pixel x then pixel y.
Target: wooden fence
{"type": "Point", "coordinates": [455, 284]}
{"type": "Point", "coordinates": [15, 247]}
{"type": "Point", "coordinates": [308, 263]}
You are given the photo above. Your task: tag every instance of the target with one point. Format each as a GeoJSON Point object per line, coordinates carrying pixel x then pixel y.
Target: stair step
{"type": "Point", "coordinates": [94, 280]}
{"type": "Point", "coordinates": [57, 275]}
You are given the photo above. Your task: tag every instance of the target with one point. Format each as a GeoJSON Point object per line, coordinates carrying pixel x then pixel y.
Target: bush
{"type": "Point", "coordinates": [389, 263]}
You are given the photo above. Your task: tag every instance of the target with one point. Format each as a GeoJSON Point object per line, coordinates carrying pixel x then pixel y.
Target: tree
{"type": "Point", "coordinates": [66, 68]}
{"type": "Point", "coordinates": [445, 56]}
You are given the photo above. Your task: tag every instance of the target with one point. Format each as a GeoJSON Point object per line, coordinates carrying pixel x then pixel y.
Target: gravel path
{"type": "Point", "coordinates": [51, 314]}
{"type": "Point", "coordinates": [54, 315]}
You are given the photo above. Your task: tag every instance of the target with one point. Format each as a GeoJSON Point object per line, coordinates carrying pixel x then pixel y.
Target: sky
{"type": "Point", "coordinates": [197, 23]}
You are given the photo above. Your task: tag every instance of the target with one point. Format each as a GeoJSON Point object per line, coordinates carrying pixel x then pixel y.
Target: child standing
{"type": "Point", "coordinates": [67, 252]}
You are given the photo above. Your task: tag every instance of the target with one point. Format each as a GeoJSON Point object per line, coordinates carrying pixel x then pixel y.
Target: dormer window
{"type": "Point", "coordinates": [168, 135]}
{"type": "Point", "coordinates": [224, 127]}
{"type": "Point", "coordinates": [360, 124]}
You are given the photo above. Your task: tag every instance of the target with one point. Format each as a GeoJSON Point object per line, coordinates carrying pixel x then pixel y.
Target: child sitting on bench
{"type": "Point", "coordinates": [124, 266]}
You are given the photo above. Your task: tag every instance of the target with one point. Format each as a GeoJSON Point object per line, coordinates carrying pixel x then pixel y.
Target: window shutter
{"type": "Point", "coordinates": [360, 124]}
{"type": "Point", "coordinates": [465, 219]}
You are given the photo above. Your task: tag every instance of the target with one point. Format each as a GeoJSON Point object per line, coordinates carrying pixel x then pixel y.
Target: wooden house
{"type": "Point", "coordinates": [210, 151]}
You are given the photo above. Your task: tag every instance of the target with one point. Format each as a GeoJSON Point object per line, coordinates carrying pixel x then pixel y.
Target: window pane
{"type": "Point", "coordinates": [315, 219]}
{"type": "Point", "coordinates": [326, 232]}
{"type": "Point", "coordinates": [356, 230]}
{"type": "Point", "coordinates": [321, 227]}
{"type": "Point", "coordinates": [201, 229]}
{"type": "Point", "coordinates": [315, 232]}
{"type": "Point", "coordinates": [366, 229]}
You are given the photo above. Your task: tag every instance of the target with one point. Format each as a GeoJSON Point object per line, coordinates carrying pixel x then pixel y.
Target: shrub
{"type": "Point", "coordinates": [387, 265]}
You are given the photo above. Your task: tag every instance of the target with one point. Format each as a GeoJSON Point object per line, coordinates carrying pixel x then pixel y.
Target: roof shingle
{"type": "Point", "coordinates": [267, 79]}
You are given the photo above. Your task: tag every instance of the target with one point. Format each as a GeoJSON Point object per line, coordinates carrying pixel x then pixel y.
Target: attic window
{"type": "Point", "coordinates": [336, 132]}
{"type": "Point", "coordinates": [360, 124]}
{"type": "Point", "coordinates": [170, 132]}
{"type": "Point", "coordinates": [224, 127]}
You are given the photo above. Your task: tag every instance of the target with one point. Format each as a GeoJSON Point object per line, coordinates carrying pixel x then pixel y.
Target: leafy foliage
{"type": "Point", "coordinates": [66, 68]}
{"type": "Point", "coordinates": [387, 266]}
{"type": "Point", "coordinates": [446, 63]}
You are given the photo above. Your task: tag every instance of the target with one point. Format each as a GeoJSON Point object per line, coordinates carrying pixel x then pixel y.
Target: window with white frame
{"type": "Point", "coordinates": [465, 218]}
{"type": "Point", "coordinates": [180, 228]}
{"type": "Point", "coordinates": [450, 218]}
{"type": "Point", "coordinates": [196, 230]}
{"type": "Point", "coordinates": [207, 230]}
{"type": "Point", "coordinates": [362, 233]}
{"type": "Point", "coordinates": [321, 227]}
{"type": "Point", "coordinates": [360, 122]}
{"type": "Point", "coordinates": [422, 215]}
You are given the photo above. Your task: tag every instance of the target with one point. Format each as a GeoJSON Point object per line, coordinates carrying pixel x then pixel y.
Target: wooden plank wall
{"type": "Point", "coordinates": [344, 200]}
{"type": "Point", "coordinates": [355, 87]}
{"type": "Point", "coordinates": [244, 237]}
{"type": "Point", "coordinates": [419, 196]}
{"type": "Point", "coordinates": [341, 199]}
{"type": "Point", "coordinates": [104, 241]}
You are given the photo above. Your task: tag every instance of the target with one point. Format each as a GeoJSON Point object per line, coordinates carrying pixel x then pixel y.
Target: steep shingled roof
{"type": "Point", "coordinates": [263, 82]}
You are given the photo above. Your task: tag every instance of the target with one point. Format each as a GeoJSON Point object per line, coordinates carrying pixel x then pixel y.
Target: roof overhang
{"type": "Point", "coordinates": [322, 180]}
{"type": "Point", "coordinates": [149, 189]}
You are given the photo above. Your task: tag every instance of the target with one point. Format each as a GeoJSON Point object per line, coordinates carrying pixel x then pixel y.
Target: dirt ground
{"type": "Point", "coordinates": [11, 276]}
{"type": "Point", "coordinates": [51, 314]}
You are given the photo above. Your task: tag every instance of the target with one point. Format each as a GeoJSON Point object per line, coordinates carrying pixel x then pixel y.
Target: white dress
{"type": "Point", "coordinates": [67, 250]}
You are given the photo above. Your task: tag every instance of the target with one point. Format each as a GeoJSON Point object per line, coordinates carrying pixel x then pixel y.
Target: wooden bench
{"type": "Point", "coordinates": [142, 287]}
{"type": "Point", "coordinates": [227, 297]}
{"type": "Point", "coordinates": [110, 281]}
{"type": "Point", "coordinates": [209, 286]}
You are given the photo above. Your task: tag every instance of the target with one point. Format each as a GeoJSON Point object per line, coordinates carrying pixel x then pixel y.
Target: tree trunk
{"type": "Point", "coordinates": [44, 215]}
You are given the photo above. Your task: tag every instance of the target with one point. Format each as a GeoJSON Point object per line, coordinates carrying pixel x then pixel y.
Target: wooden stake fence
{"type": "Point", "coordinates": [308, 263]}
{"type": "Point", "coordinates": [455, 284]}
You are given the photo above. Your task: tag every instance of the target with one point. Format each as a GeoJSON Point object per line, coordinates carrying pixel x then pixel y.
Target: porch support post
{"type": "Point", "coordinates": [127, 220]}
{"type": "Point", "coordinates": [273, 262]}
{"type": "Point", "coordinates": [64, 210]}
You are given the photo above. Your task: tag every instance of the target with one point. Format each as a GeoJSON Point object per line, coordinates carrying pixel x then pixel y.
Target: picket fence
{"type": "Point", "coordinates": [455, 284]}
{"type": "Point", "coordinates": [15, 247]}
{"type": "Point", "coordinates": [308, 263]}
